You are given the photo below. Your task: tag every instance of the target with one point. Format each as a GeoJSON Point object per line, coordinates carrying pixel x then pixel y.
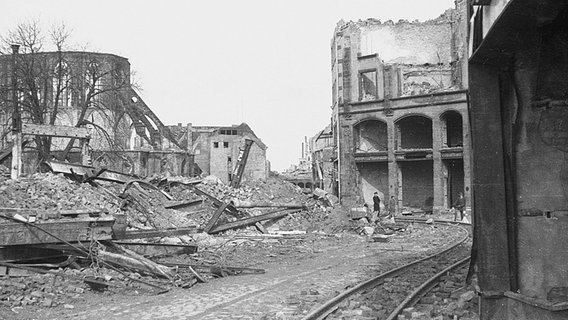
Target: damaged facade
{"type": "Point", "coordinates": [400, 118]}
{"type": "Point", "coordinates": [216, 150]}
{"type": "Point", "coordinates": [322, 149]}
{"type": "Point", "coordinates": [92, 90]}
{"type": "Point", "coordinates": [518, 73]}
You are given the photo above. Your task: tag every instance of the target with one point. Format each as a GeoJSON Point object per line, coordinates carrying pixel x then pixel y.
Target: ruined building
{"type": "Point", "coordinates": [322, 149]}
{"type": "Point", "coordinates": [90, 90]}
{"type": "Point", "coordinates": [518, 73]}
{"type": "Point", "coordinates": [400, 121]}
{"type": "Point", "coordinates": [216, 150]}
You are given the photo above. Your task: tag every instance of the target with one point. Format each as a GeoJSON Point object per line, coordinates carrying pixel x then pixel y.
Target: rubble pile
{"type": "Point", "coordinates": [154, 205]}
{"type": "Point", "coordinates": [39, 289]}
{"type": "Point", "coordinates": [46, 191]}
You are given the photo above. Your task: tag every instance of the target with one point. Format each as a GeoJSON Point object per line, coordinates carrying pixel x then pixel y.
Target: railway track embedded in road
{"type": "Point", "coordinates": [418, 276]}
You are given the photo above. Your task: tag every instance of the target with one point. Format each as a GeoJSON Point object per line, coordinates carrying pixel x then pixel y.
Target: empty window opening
{"type": "Point", "coordinates": [225, 144]}
{"type": "Point", "coordinates": [453, 180]}
{"type": "Point", "coordinates": [416, 184]}
{"type": "Point", "coordinates": [371, 136]}
{"type": "Point", "coordinates": [453, 131]}
{"type": "Point", "coordinates": [215, 144]}
{"type": "Point", "coordinates": [374, 177]}
{"type": "Point", "coordinates": [368, 85]}
{"type": "Point", "coordinates": [414, 132]}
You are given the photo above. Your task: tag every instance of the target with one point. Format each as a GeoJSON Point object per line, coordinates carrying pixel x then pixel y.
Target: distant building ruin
{"type": "Point", "coordinates": [91, 90]}
{"type": "Point", "coordinates": [400, 121]}
{"type": "Point", "coordinates": [216, 150]}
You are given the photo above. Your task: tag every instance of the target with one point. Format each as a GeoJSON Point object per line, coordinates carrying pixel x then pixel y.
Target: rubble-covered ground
{"type": "Point", "coordinates": [297, 235]}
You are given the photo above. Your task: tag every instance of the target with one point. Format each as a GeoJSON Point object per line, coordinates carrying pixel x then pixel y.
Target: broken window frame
{"type": "Point", "coordinates": [363, 93]}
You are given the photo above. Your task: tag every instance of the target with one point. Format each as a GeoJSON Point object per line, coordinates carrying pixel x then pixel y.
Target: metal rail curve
{"type": "Point", "coordinates": [425, 287]}
{"type": "Point", "coordinates": [328, 307]}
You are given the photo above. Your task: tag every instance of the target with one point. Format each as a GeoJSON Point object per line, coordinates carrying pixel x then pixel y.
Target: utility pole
{"type": "Point", "coordinates": [16, 120]}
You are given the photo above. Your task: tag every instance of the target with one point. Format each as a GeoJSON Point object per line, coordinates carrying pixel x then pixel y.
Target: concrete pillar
{"type": "Point", "coordinates": [392, 165]}
{"type": "Point", "coordinates": [348, 176]}
{"type": "Point", "coordinates": [438, 173]}
{"type": "Point", "coordinates": [467, 163]}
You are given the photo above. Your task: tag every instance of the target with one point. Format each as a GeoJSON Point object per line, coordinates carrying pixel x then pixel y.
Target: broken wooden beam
{"type": "Point", "coordinates": [215, 269]}
{"type": "Point", "coordinates": [89, 173]}
{"type": "Point", "coordinates": [156, 233]}
{"type": "Point", "coordinates": [215, 217]}
{"type": "Point", "coordinates": [183, 204]}
{"type": "Point", "coordinates": [56, 131]}
{"type": "Point", "coordinates": [136, 262]}
{"type": "Point", "coordinates": [252, 220]}
{"type": "Point", "coordinates": [74, 213]}
{"type": "Point", "coordinates": [218, 203]}
{"type": "Point", "coordinates": [265, 204]}
{"type": "Point", "coordinates": [155, 249]}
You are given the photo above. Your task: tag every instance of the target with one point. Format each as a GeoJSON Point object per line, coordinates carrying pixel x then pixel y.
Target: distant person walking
{"type": "Point", "coordinates": [459, 205]}
{"type": "Point", "coordinates": [376, 206]}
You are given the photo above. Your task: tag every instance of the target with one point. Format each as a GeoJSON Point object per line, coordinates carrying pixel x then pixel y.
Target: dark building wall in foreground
{"type": "Point", "coordinates": [518, 78]}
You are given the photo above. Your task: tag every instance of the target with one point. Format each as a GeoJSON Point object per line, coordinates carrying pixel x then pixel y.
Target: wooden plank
{"type": "Point", "coordinates": [72, 230]}
{"type": "Point", "coordinates": [16, 169]}
{"type": "Point", "coordinates": [59, 213]}
{"type": "Point", "coordinates": [158, 249]}
{"type": "Point", "coordinates": [266, 204]}
{"type": "Point", "coordinates": [252, 220]}
{"type": "Point", "coordinates": [70, 168]}
{"type": "Point", "coordinates": [215, 269]}
{"type": "Point", "coordinates": [56, 131]}
{"type": "Point", "coordinates": [215, 217]}
{"type": "Point", "coordinates": [215, 201]}
{"type": "Point", "coordinates": [154, 233]}
{"type": "Point", "coordinates": [183, 204]}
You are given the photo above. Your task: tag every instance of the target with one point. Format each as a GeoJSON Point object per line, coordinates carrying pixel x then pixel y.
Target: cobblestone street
{"type": "Point", "coordinates": [288, 289]}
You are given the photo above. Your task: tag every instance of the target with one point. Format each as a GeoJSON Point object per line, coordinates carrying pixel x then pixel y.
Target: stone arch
{"type": "Point", "coordinates": [370, 135]}
{"type": "Point", "coordinates": [452, 129]}
{"type": "Point", "coordinates": [414, 131]}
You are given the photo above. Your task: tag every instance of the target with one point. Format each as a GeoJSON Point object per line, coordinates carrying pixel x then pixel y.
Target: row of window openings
{"type": "Point", "coordinates": [228, 132]}
{"type": "Point", "coordinates": [216, 144]}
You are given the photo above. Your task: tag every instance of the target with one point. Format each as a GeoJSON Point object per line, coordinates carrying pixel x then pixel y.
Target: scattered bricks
{"type": "Point", "coordinates": [407, 312]}
{"type": "Point", "coordinates": [68, 306]}
{"type": "Point", "coordinates": [418, 315]}
{"type": "Point", "coordinates": [467, 296]}
{"type": "Point", "coordinates": [36, 294]}
{"type": "Point", "coordinates": [18, 285]}
{"type": "Point", "coordinates": [427, 300]}
{"type": "Point", "coordinates": [47, 303]}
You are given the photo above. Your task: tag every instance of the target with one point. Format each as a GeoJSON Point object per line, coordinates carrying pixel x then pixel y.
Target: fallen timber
{"type": "Point", "coordinates": [152, 249]}
{"type": "Point", "coordinates": [265, 204]}
{"type": "Point", "coordinates": [252, 220]}
{"type": "Point", "coordinates": [88, 173]}
{"type": "Point", "coordinates": [216, 269]}
{"type": "Point", "coordinates": [155, 233]}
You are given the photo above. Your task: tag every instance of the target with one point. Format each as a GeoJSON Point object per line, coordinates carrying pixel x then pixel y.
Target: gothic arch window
{"type": "Point", "coordinates": [62, 85]}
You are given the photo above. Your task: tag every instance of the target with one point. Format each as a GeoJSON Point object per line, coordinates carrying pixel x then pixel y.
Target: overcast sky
{"type": "Point", "coordinates": [266, 63]}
